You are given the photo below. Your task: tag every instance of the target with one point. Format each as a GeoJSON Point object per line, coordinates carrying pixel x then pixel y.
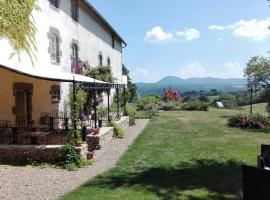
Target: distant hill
{"type": "Point", "coordinates": [184, 85]}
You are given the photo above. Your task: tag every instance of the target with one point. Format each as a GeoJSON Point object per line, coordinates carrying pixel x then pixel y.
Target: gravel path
{"type": "Point", "coordinates": [23, 183]}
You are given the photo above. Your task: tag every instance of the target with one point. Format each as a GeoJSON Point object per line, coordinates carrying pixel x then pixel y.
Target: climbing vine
{"type": "Point", "coordinates": [17, 25]}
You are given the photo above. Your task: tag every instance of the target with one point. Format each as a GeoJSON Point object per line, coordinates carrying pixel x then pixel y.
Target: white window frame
{"type": "Point", "coordinates": [74, 55]}
{"type": "Point", "coordinates": [55, 48]}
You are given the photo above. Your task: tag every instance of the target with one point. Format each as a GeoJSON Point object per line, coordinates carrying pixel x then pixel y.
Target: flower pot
{"type": "Point", "coordinates": [96, 131]}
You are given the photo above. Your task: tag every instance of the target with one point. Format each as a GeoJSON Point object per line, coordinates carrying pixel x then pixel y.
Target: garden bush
{"type": "Point", "coordinates": [238, 121]}
{"type": "Point", "coordinates": [149, 103]}
{"type": "Point", "coordinates": [72, 159]}
{"type": "Point", "coordinates": [118, 132]}
{"type": "Point", "coordinates": [200, 106]}
{"type": "Point", "coordinates": [167, 106]}
{"type": "Point", "coordinates": [255, 121]}
{"type": "Point", "coordinates": [131, 112]}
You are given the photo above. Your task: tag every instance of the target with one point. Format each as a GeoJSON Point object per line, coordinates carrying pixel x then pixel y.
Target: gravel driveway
{"type": "Point", "coordinates": [24, 183]}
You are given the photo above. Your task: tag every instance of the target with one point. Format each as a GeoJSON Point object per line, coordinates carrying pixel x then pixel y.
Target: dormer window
{"type": "Point", "coordinates": [108, 62]}
{"type": "Point", "coordinates": [55, 3]}
{"type": "Point", "coordinates": [100, 59]}
{"type": "Point", "coordinates": [75, 10]}
{"type": "Point", "coordinates": [113, 42]}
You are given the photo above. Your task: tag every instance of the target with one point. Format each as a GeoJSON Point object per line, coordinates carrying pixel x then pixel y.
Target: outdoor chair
{"type": "Point", "coordinates": [263, 160]}
{"type": "Point", "coordinates": [5, 132]}
{"type": "Point", "coordinates": [256, 183]}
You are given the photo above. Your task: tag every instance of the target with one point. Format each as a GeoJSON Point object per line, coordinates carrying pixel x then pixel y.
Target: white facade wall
{"type": "Point", "coordinates": [92, 38]}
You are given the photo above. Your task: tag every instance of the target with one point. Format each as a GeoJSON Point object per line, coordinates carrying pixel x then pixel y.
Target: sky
{"type": "Point", "coordinates": [188, 38]}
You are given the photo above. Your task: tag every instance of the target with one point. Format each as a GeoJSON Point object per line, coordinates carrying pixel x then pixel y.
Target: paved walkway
{"type": "Point", "coordinates": [23, 183]}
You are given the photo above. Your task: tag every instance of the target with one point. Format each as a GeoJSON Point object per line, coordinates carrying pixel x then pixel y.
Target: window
{"type": "Point", "coordinates": [100, 60]}
{"type": "Point", "coordinates": [55, 48]}
{"type": "Point", "coordinates": [108, 62]}
{"type": "Point", "coordinates": [56, 94]}
{"type": "Point", "coordinates": [113, 42]}
{"type": "Point", "coordinates": [74, 56]}
{"type": "Point", "coordinates": [74, 10]}
{"type": "Point", "coordinates": [55, 3]}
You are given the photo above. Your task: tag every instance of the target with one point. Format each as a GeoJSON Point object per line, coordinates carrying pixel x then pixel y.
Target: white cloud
{"type": "Point", "coordinates": [216, 27]}
{"type": "Point", "coordinates": [158, 35]}
{"type": "Point", "coordinates": [234, 70]}
{"type": "Point", "coordinates": [189, 34]}
{"type": "Point", "coordinates": [254, 29]}
{"type": "Point", "coordinates": [251, 29]}
{"type": "Point", "coordinates": [143, 75]}
{"type": "Point", "coordinates": [195, 69]}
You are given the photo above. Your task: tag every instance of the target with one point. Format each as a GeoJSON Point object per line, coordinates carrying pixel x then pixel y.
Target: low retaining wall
{"type": "Point", "coordinates": [96, 142]}
{"type": "Point", "coordinates": [123, 122]}
{"type": "Point", "coordinates": [46, 153]}
{"type": "Point", "coordinates": [49, 153]}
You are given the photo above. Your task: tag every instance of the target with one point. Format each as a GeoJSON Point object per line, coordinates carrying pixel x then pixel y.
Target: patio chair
{"type": "Point", "coordinates": [256, 183]}
{"type": "Point", "coordinates": [263, 160]}
{"type": "Point", "coordinates": [6, 136]}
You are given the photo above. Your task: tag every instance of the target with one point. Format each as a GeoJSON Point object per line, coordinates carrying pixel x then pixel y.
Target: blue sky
{"type": "Point", "coordinates": [188, 38]}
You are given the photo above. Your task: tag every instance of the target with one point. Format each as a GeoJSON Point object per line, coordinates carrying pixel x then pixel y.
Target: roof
{"type": "Point", "coordinates": [103, 20]}
{"type": "Point", "coordinates": [87, 83]}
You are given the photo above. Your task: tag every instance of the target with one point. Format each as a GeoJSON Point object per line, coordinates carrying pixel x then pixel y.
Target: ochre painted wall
{"type": "Point", "coordinates": [41, 98]}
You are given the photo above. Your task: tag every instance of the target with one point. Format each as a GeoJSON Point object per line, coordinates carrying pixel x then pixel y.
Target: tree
{"type": "Point", "coordinates": [171, 95]}
{"type": "Point", "coordinates": [258, 71]}
{"type": "Point", "coordinates": [258, 74]}
{"type": "Point", "coordinates": [131, 87]}
{"type": "Point", "coordinates": [17, 26]}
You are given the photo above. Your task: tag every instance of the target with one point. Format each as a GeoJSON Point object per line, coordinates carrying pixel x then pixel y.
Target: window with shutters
{"type": "Point", "coordinates": [75, 10]}
{"type": "Point", "coordinates": [74, 56]}
{"type": "Point", "coordinates": [56, 94]}
{"type": "Point", "coordinates": [55, 48]}
{"type": "Point", "coordinates": [100, 60]}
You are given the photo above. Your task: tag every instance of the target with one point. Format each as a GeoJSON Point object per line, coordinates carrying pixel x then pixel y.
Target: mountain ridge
{"type": "Point", "coordinates": [184, 85]}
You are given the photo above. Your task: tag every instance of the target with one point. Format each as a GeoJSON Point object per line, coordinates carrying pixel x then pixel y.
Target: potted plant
{"type": "Point", "coordinates": [96, 131]}
{"type": "Point", "coordinates": [101, 115]}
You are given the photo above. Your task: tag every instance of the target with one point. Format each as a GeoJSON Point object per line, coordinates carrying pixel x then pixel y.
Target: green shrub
{"type": "Point", "coordinates": [167, 106]}
{"type": "Point", "coordinates": [118, 132]}
{"type": "Point", "coordinates": [258, 121]}
{"type": "Point", "coordinates": [72, 159]}
{"type": "Point", "coordinates": [238, 120]}
{"type": "Point", "coordinates": [148, 103]}
{"type": "Point", "coordinates": [255, 121]}
{"type": "Point", "coordinates": [196, 105]}
{"type": "Point", "coordinates": [131, 112]}
{"type": "Point", "coordinates": [74, 137]}
{"type": "Point", "coordinates": [146, 114]}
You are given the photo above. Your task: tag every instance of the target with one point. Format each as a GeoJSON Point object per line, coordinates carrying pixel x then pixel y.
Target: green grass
{"type": "Point", "coordinates": [180, 155]}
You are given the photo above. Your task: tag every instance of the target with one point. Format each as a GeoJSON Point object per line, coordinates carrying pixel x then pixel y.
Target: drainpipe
{"type": "Point", "coordinates": [74, 102]}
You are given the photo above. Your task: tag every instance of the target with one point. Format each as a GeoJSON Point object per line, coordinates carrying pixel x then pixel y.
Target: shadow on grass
{"type": "Point", "coordinates": [261, 130]}
{"type": "Point", "coordinates": [225, 116]}
{"type": "Point", "coordinates": [221, 180]}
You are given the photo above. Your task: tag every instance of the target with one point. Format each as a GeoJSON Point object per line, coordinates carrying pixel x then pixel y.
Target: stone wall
{"type": "Point", "coordinates": [123, 122]}
{"type": "Point", "coordinates": [21, 153]}
{"type": "Point", "coordinates": [97, 141]}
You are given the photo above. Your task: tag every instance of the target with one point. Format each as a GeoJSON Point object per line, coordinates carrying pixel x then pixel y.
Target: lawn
{"type": "Point", "coordinates": [180, 155]}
